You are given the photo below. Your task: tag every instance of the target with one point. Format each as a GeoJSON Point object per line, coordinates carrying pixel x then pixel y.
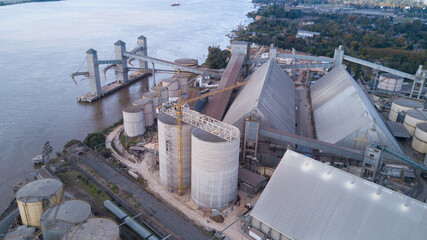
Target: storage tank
{"type": "Point", "coordinates": [133, 121]}
{"type": "Point", "coordinates": [188, 62]}
{"type": "Point", "coordinates": [164, 94]}
{"type": "Point", "coordinates": [168, 151]}
{"type": "Point", "coordinates": [154, 99]}
{"type": "Point", "coordinates": [412, 118]}
{"type": "Point", "coordinates": [183, 84]}
{"type": "Point", "coordinates": [93, 228]}
{"type": "Point", "coordinates": [390, 82]}
{"type": "Point", "coordinates": [173, 86]}
{"type": "Point", "coordinates": [214, 170]}
{"type": "Point", "coordinates": [419, 142]}
{"type": "Point", "coordinates": [56, 220]}
{"type": "Point", "coordinates": [402, 105]}
{"type": "Point", "coordinates": [147, 105]}
{"type": "Point", "coordinates": [34, 197]}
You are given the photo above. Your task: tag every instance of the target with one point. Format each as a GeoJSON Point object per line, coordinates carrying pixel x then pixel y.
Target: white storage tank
{"type": "Point", "coordinates": [412, 118]}
{"type": "Point", "coordinates": [56, 220]}
{"type": "Point", "coordinates": [402, 105]}
{"type": "Point", "coordinates": [133, 121]}
{"type": "Point", "coordinates": [214, 170]}
{"type": "Point", "coordinates": [173, 86]}
{"type": "Point", "coordinates": [147, 105]}
{"type": "Point", "coordinates": [183, 82]}
{"type": "Point", "coordinates": [419, 142]}
{"type": "Point", "coordinates": [34, 197]}
{"type": "Point", "coordinates": [94, 228]}
{"type": "Point", "coordinates": [164, 94]}
{"type": "Point", "coordinates": [154, 99]}
{"type": "Point", "coordinates": [168, 151]}
{"type": "Point", "coordinates": [390, 82]}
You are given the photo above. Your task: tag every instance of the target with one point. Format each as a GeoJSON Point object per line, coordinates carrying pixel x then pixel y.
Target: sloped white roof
{"type": "Point", "coordinates": [343, 113]}
{"type": "Point", "coordinates": [271, 93]}
{"type": "Point", "coordinates": [306, 199]}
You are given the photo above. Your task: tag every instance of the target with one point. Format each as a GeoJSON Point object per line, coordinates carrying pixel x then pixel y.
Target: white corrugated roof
{"type": "Point", "coordinates": [272, 94]}
{"type": "Point", "coordinates": [306, 199]}
{"type": "Point", "coordinates": [343, 113]}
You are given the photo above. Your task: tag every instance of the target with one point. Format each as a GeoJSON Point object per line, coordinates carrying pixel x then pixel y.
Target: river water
{"type": "Point", "coordinates": [42, 43]}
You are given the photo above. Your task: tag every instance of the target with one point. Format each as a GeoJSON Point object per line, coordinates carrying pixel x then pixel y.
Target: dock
{"type": "Point", "coordinates": [112, 87]}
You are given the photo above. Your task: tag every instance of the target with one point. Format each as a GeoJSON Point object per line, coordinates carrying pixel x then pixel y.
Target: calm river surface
{"type": "Point", "coordinates": [42, 43]}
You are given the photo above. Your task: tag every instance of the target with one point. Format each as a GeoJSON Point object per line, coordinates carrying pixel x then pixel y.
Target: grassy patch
{"type": "Point", "coordinates": [114, 188]}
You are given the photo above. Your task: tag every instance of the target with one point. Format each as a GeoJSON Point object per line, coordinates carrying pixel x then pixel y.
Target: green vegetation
{"type": "Point", "coordinates": [114, 188]}
{"type": "Point", "coordinates": [399, 45]}
{"type": "Point", "coordinates": [358, 3]}
{"type": "Point", "coordinates": [217, 58]}
{"type": "Point", "coordinates": [94, 139]}
{"type": "Point", "coordinates": [137, 205]}
{"type": "Point", "coordinates": [71, 143]}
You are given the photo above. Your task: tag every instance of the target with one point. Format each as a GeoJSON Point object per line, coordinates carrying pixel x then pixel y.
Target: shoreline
{"type": "Point", "coordinates": [14, 2]}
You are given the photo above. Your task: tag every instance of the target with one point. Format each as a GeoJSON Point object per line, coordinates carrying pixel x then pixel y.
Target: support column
{"type": "Point", "coordinates": [142, 42]}
{"type": "Point", "coordinates": [338, 56]}
{"type": "Point", "coordinates": [154, 76]}
{"type": "Point", "coordinates": [273, 52]}
{"type": "Point", "coordinates": [122, 68]}
{"type": "Point", "coordinates": [93, 69]}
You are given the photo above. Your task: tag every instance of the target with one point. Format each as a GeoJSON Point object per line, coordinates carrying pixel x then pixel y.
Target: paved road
{"type": "Point", "coordinates": [180, 226]}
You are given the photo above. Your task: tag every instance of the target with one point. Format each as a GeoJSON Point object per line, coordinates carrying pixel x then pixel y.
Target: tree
{"type": "Point", "coordinates": [93, 139]}
{"type": "Point", "coordinates": [47, 150]}
{"type": "Point", "coordinates": [217, 59]}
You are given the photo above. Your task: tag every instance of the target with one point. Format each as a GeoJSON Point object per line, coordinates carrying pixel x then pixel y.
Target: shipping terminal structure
{"type": "Point", "coordinates": [289, 146]}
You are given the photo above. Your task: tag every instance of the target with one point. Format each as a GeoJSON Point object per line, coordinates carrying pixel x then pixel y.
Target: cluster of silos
{"type": "Point", "coordinates": [419, 142]}
{"type": "Point", "coordinates": [413, 118]}
{"type": "Point", "coordinates": [168, 151]}
{"type": "Point", "coordinates": [56, 220]}
{"type": "Point", "coordinates": [133, 121]}
{"type": "Point", "coordinates": [172, 84]}
{"type": "Point", "coordinates": [154, 97]}
{"type": "Point", "coordinates": [35, 197]}
{"type": "Point", "coordinates": [214, 170]}
{"type": "Point", "coordinates": [93, 228]}
{"type": "Point", "coordinates": [162, 92]}
{"type": "Point", "coordinates": [390, 82]}
{"type": "Point", "coordinates": [146, 105]}
{"type": "Point", "coordinates": [400, 106]}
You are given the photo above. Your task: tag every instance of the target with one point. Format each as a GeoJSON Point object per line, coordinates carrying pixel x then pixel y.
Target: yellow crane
{"type": "Point", "coordinates": [211, 125]}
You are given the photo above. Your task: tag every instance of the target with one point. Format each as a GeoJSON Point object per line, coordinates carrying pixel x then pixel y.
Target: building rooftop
{"type": "Point", "coordinates": [345, 116]}
{"type": "Point", "coordinates": [306, 199]}
{"type": "Point", "coordinates": [38, 190]}
{"type": "Point", "coordinates": [271, 94]}
{"type": "Point", "coordinates": [405, 102]}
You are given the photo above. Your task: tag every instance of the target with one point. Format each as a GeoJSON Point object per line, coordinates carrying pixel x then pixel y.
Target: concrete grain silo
{"type": "Point", "coordinates": [94, 228]}
{"type": "Point", "coordinates": [154, 97]}
{"type": "Point", "coordinates": [168, 151]}
{"type": "Point", "coordinates": [133, 121]}
{"type": "Point", "coordinates": [56, 220]}
{"type": "Point", "coordinates": [172, 85]}
{"type": "Point", "coordinates": [419, 142]}
{"type": "Point", "coordinates": [214, 170]}
{"type": "Point", "coordinates": [183, 82]}
{"type": "Point", "coordinates": [147, 106]}
{"type": "Point", "coordinates": [412, 118]}
{"type": "Point", "coordinates": [34, 197]}
{"type": "Point", "coordinates": [390, 82]}
{"type": "Point", "coordinates": [402, 105]}
{"type": "Point", "coordinates": [164, 94]}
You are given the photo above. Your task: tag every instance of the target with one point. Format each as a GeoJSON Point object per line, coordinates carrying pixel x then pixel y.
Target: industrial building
{"type": "Point", "coordinates": [306, 199]}
{"type": "Point", "coordinates": [344, 115]}
{"type": "Point", "coordinates": [270, 95]}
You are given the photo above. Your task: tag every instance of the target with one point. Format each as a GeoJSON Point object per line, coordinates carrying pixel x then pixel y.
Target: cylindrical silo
{"type": "Point", "coordinates": [133, 121]}
{"type": "Point", "coordinates": [147, 105]}
{"type": "Point", "coordinates": [403, 105]}
{"type": "Point", "coordinates": [183, 84]}
{"type": "Point", "coordinates": [419, 142]}
{"type": "Point", "coordinates": [154, 98]}
{"type": "Point", "coordinates": [390, 82]}
{"type": "Point", "coordinates": [412, 118]}
{"type": "Point", "coordinates": [164, 94]}
{"type": "Point", "coordinates": [168, 151]}
{"type": "Point", "coordinates": [173, 86]}
{"type": "Point", "coordinates": [214, 170]}
{"type": "Point", "coordinates": [56, 220]}
{"type": "Point", "coordinates": [188, 62]}
{"type": "Point", "coordinates": [34, 197]}
{"type": "Point", "coordinates": [93, 228]}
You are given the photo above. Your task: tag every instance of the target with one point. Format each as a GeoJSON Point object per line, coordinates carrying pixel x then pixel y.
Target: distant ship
{"type": "Point", "coordinates": [175, 4]}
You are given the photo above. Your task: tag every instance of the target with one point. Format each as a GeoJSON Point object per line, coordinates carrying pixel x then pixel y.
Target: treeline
{"type": "Point", "coordinates": [370, 3]}
{"type": "Point", "coordinates": [400, 45]}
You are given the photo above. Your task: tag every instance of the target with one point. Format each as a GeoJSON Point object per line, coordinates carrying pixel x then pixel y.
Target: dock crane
{"type": "Point", "coordinates": [182, 113]}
